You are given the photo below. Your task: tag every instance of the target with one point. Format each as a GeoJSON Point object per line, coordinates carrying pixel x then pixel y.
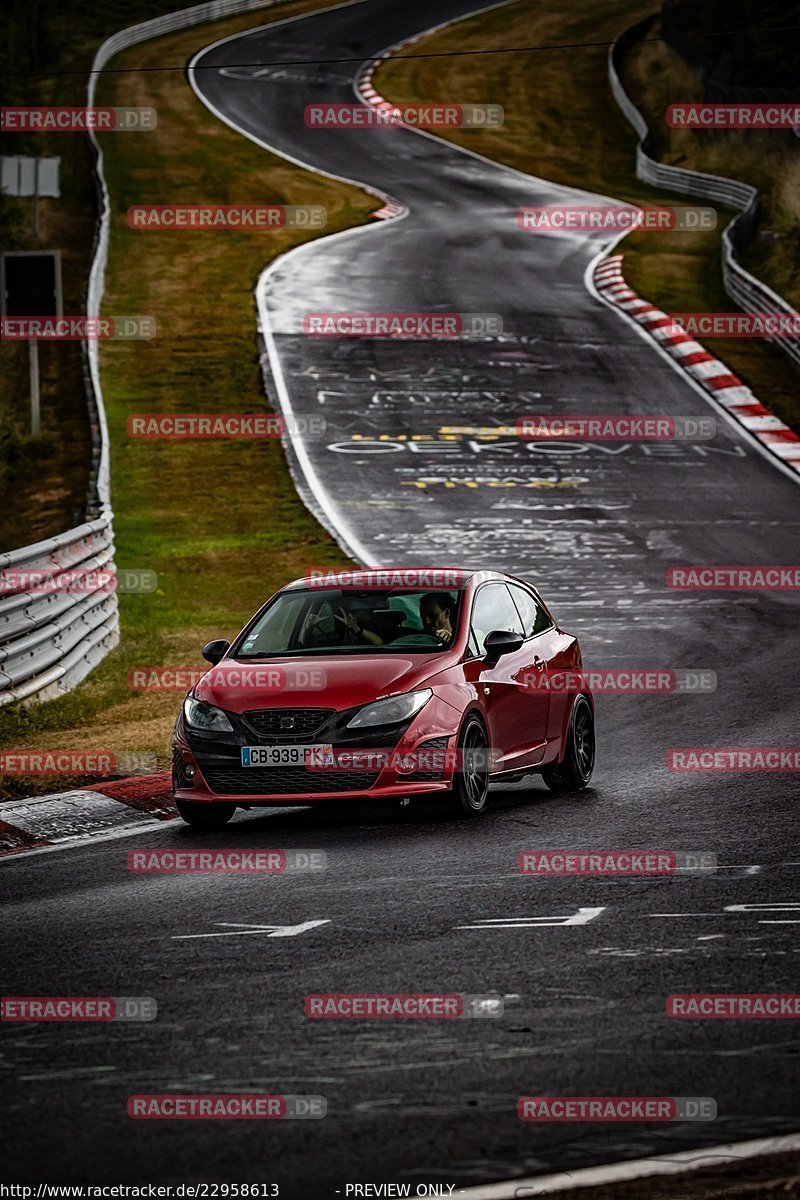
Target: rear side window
{"type": "Point", "coordinates": [533, 616]}
{"type": "Point", "coordinates": [493, 609]}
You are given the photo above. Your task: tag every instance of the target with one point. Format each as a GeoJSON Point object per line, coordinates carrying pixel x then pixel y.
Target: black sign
{"type": "Point", "coordinates": [31, 284]}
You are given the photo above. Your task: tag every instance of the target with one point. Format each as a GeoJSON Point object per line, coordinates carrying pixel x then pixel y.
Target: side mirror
{"type": "Point", "coordinates": [500, 642]}
{"type": "Point", "coordinates": [214, 651]}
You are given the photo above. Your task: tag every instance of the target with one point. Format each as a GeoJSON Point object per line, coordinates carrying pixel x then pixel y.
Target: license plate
{"type": "Point", "coordinates": [318, 755]}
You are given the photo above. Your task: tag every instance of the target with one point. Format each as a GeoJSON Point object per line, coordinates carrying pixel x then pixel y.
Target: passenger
{"type": "Point", "coordinates": [355, 629]}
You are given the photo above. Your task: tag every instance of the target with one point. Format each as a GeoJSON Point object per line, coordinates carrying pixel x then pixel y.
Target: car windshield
{"type": "Point", "coordinates": [353, 621]}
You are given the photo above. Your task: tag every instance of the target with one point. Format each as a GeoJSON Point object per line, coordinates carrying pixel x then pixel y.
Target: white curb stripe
{"type": "Point", "coordinates": [641, 1168]}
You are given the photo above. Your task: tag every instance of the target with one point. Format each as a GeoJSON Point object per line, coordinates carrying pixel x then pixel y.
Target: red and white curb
{"type": "Point", "coordinates": [726, 388]}
{"type": "Point", "coordinates": [366, 92]}
{"type": "Point", "coordinates": [105, 809]}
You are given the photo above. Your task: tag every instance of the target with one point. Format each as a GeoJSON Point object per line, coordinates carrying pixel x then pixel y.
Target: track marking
{"type": "Point", "coordinates": [241, 930]}
{"type": "Point", "coordinates": [640, 1168]}
{"type": "Point", "coordinates": [582, 917]}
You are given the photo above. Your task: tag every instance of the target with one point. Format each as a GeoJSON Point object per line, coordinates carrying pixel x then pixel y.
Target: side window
{"type": "Point", "coordinates": [493, 609]}
{"type": "Point", "coordinates": [534, 617]}
{"type": "Point", "coordinates": [543, 620]}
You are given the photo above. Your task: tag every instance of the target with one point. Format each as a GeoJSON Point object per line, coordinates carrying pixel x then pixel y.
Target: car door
{"type": "Point", "coordinates": [516, 713]}
{"type": "Point", "coordinates": [549, 656]}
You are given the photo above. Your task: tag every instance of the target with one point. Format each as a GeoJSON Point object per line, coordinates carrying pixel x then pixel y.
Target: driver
{"type": "Point", "coordinates": [435, 609]}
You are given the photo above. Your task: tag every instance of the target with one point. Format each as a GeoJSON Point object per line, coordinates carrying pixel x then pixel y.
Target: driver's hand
{"type": "Point", "coordinates": [443, 635]}
{"type": "Point", "coordinates": [348, 620]}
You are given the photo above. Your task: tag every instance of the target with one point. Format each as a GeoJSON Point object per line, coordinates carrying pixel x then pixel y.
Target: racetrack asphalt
{"type": "Point", "coordinates": [435, 1101]}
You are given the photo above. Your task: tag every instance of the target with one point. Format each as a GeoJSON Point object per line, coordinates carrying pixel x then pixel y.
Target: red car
{"type": "Point", "coordinates": [384, 684]}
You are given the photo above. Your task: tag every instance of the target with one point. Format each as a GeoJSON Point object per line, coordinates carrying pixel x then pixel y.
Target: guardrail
{"type": "Point", "coordinates": [52, 634]}
{"type": "Point", "coordinates": [744, 289]}
{"type": "Point", "coordinates": [51, 637]}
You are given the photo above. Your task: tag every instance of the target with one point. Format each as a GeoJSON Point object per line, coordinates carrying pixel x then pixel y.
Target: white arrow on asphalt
{"type": "Point", "coordinates": [582, 917]}
{"type": "Point", "coordinates": [240, 930]}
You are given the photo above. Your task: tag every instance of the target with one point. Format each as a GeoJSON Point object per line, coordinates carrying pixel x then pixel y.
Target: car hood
{"type": "Point", "coordinates": [330, 681]}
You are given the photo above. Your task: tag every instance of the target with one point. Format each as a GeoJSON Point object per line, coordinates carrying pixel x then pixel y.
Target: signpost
{"type": "Point", "coordinates": [24, 175]}
{"type": "Point", "coordinates": [30, 286]}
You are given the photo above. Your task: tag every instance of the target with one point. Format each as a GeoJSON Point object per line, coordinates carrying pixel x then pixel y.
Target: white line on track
{"type": "Point", "coordinates": [641, 1168]}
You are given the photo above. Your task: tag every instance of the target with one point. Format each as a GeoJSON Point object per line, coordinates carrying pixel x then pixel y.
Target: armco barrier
{"type": "Point", "coordinates": [743, 288]}
{"type": "Point", "coordinates": [50, 640]}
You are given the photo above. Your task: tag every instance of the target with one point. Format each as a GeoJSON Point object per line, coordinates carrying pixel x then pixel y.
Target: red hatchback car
{"type": "Point", "coordinates": [384, 684]}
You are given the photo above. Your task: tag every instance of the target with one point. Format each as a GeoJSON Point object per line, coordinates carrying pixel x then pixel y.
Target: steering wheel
{"type": "Point", "coordinates": [416, 639]}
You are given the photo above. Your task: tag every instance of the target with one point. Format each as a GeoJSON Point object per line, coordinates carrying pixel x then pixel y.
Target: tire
{"type": "Point", "coordinates": [574, 771]}
{"type": "Point", "coordinates": [205, 816]}
{"type": "Point", "coordinates": [470, 794]}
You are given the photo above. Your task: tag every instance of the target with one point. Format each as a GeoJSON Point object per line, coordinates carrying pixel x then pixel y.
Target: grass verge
{"type": "Point", "coordinates": [220, 522]}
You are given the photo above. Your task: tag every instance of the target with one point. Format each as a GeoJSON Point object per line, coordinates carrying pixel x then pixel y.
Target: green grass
{"type": "Point", "coordinates": [45, 53]}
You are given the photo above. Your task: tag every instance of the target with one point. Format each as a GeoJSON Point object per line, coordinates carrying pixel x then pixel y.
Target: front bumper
{"type": "Point", "coordinates": [207, 767]}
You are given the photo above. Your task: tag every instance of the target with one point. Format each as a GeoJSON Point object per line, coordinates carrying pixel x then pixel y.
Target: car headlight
{"type": "Point", "coordinates": [200, 715]}
{"type": "Point", "coordinates": [390, 711]}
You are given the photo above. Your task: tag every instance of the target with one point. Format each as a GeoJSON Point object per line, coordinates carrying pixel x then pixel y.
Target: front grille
{"type": "Point", "coordinates": [254, 781]}
{"type": "Point", "coordinates": [272, 722]}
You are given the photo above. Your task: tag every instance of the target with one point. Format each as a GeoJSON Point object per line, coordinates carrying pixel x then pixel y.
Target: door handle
{"type": "Point", "coordinates": [538, 662]}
